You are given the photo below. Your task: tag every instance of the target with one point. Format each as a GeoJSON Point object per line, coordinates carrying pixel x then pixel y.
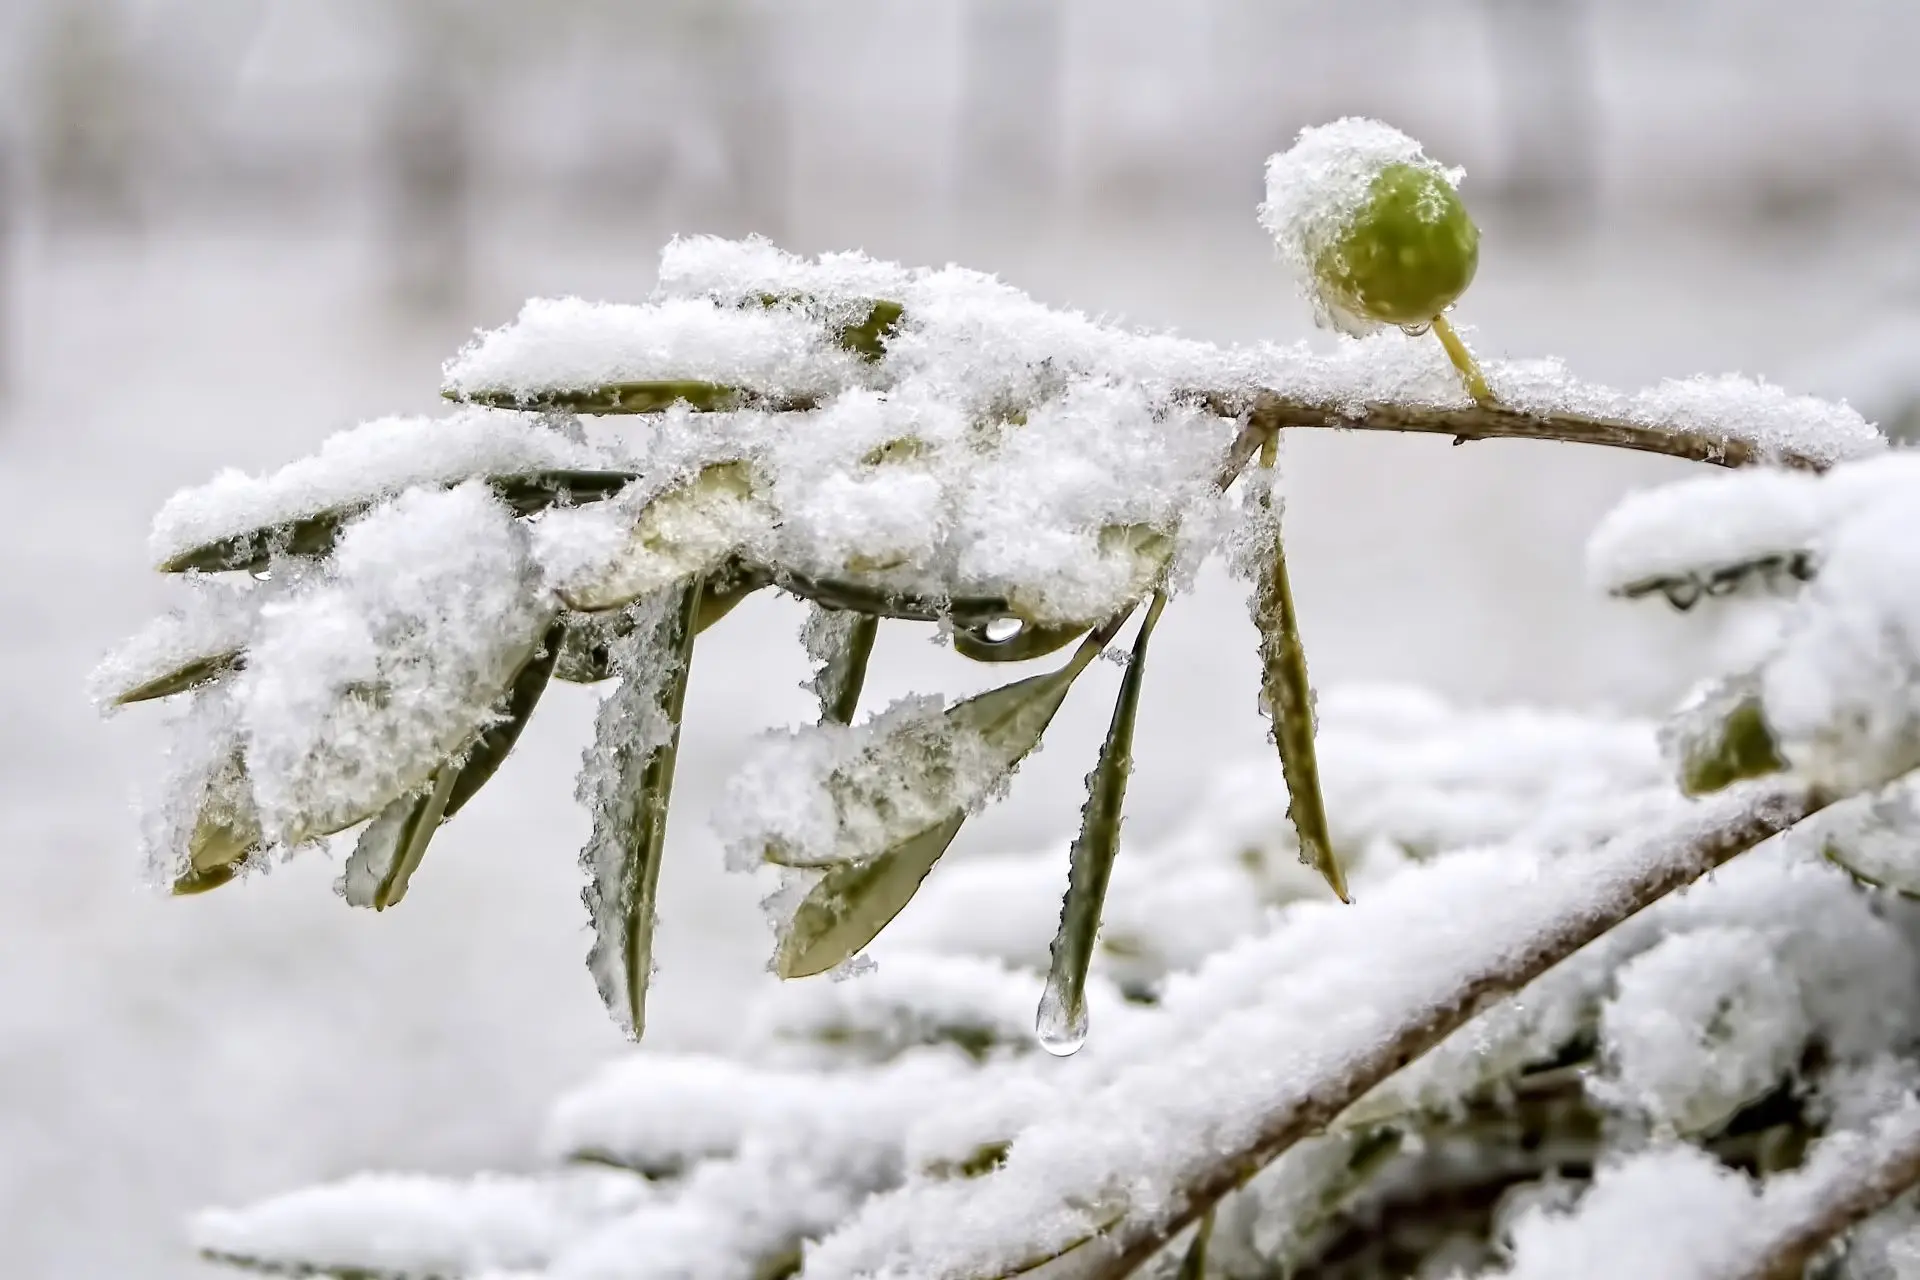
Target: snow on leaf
{"type": "Point", "coordinates": [838, 643]}
{"type": "Point", "coordinates": [625, 785]}
{"type": "Point", "coordinates": [236, 520]}
{"type": "Point", "coordinates": [364, 681]}
{"type": "Point", "coordinates": [390, 848]}
{"type": "Point", "coordinates": [412, 1225]}
{"type": "Point", "coordinates": [199, 641]}
{"type": "Point", "coordinates": [890, 801]}
{"type": "Point", "coordinates": [689, 529]}
{"type": "Point", "coordinates": [558, 346]}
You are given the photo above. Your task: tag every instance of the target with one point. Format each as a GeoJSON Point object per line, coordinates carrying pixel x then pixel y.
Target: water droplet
{"type": "Point", "coordinates": [1416, 330]}
{"type": "Point", "coordinates": [1062, 1023]}
{"type": "Point", "coordinates": [1001, 630]}
{"type": "Point", "coordinates": [261, 575]}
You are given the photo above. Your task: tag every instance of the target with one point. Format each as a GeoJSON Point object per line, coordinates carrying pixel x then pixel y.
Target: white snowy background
{"type": "Point", "coordinates": [202, 265]}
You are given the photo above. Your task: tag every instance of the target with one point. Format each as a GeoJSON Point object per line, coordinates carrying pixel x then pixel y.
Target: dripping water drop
{"type": "Point", "coordinates": [1061, 1025]}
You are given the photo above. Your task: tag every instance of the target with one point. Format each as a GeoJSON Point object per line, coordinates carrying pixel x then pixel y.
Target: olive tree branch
{"type": "Point", "coordinates": [1272, 411]}
{"type": "Point", "coordinates": [1624, 883]}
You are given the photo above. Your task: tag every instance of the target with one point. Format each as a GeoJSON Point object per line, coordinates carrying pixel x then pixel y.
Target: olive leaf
{"type": "Point", "coordinates": [1139, 553]}
{"type": "Point", "coordinates": [497, 740]}
{"type": "Point", "coordinates": [1022, 643]}
{"type": "Point", "coordinates": [849, 906]}
{"type": "Point", "coordinates": [226, 831]}
{"type": "Point", "coordinates": [1062, 1020]}
{"type": "Point", "coordinates": [692, 528]}
{"type": "Point", "coordinates": [865, 337]}
{"type": "Point", "coordinates": [190, 674]}
{"type": "Point", "coordinates": [1722, 737]}
{"type": "Point", "coordinates": [314, 535]}
{"type": "Point", "coordinates": [637, 742]}
{"type": "Point", "coordinates": [1289, 700]}
{"type": "Point", "coordinates": [634, 397]}
{"type": "Point", "coordinates": [856, 597]}
{"type": "Point", "coordinates": [390, 850]}
{"type": "Point", "coordinates": [1194, 1265]}
{"type": "Point", "coordinates": [586, 649]}
{"type": "Point", "coordinates": [840, 643]}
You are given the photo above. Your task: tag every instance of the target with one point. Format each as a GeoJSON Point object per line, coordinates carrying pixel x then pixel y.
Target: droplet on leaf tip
{"type": "Point", "coordinates": [1060, 1027]}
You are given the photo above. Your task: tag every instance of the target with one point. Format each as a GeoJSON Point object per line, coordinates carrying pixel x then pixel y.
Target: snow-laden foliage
{"type": "Point", "coordinates": [1526, 1032]}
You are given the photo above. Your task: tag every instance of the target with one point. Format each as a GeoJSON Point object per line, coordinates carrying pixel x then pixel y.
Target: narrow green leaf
{"type": "Point", "coordinates": [315, 535]}
{"type": "Point", "coordinates": [498, 738]}
{"type": "Point", "coordinates": [1062, 1021]}
{"type": "Point", "coordinates": [854, 901]}
{"type": "Point", "coordinates": [692, 528]}
{"type": "Point", "coordinates": [869, 337]}
{"type": "Point", "coordinates": [226, 832]}
{"type": "Point", "coordinates": [855, 597]}
{"type": "Point", "coordinates": [1289, 700]}
{"type": "Point", "coordinates": [389, 851]}
{"type": "Point", "coordinates": [1731, 743]}
{"type": "Point", "coordinates": [840, 644]}
{"type": "Point", "coordinates": [1022, 643]}
{"type": "Point", "coordinates": [630, 816]}
{"type": "Point", "coordinates": [188, 675]}
{"type": "Point", "coordinates": [1194, 1265]}
{"type": "Point", "coordinates": [636, 397]}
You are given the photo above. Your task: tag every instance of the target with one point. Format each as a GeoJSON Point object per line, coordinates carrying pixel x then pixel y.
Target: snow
{"type": "Point", "coordinates": [215, 621]}
{"type": "Point", "coordinates": [1677, 1212]}
{"type": "Point", "coordinates": [1124, 1149]}
{"type": "Point", "coordinates": [356, 468]}
{"type": "Point", "coordinates": [567, 344]}
{"type": "Point", "coordinates": [1843, 691]}
{"type": "Point", "coordinates": [411, 1224]}
{"type": "Point", "coordinates": [362, 684]}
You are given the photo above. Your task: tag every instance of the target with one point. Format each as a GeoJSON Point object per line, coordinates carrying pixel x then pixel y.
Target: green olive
{"type": "Point", "coordinates": [1407, 253]}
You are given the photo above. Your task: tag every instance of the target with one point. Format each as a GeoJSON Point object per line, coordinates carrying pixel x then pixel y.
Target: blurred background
{"type": "Point", "coordinates": [231, 227]}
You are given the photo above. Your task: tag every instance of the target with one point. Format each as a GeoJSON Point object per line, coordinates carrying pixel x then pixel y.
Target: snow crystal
{"type": "Point", "coordinates": [1314, 189]}
{"type": "Point", "coordinates": [362, 683]}
{"type": "Point", "coordinates": [659, 1114]}
{"type": "Point", "coordinates": [567, 344]}
{"type": "Point", "coordinates": [411, 1224]}
{"type": "Point", "coordinates": [355, 468]}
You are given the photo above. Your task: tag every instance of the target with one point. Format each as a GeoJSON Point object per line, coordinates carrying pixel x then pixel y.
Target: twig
{"type": "Point", "coordinates": [1272, 411]}
{"type": "Point", "coordinates": [1503, 970]}
{"type": "Point", "coordinates": [1864, 1187]}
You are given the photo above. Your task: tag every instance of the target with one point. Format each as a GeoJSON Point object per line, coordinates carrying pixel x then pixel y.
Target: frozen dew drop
{"type": "Point", "coordinates": [1061, 1025]}
{"type": "Point", "coordinates": [1001, 630]}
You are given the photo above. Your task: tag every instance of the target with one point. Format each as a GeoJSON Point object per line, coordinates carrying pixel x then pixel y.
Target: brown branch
{"type": "Point", "coordinates": [1865, 1187]}
{"type": "Point", "coordinates": [1273, 412]}
{"type": "Point", "coordinates": [1774, 808]}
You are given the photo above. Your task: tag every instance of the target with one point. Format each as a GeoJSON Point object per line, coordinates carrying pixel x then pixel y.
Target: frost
{"type": "Point", "coordinates": [356, 468]}
{"type": "Point", "coordinates": [365, 681]}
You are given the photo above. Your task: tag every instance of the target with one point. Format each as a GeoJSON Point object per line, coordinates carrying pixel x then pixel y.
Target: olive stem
{"type": "Point", "coordinates": [1463, 361]}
